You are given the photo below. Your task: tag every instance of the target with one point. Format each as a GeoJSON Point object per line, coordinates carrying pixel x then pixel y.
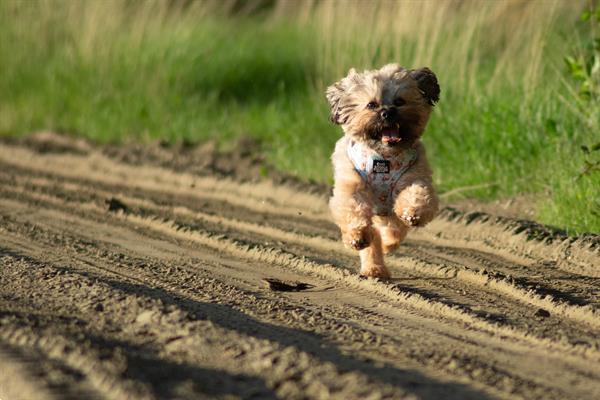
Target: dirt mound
{"type": "Point", "coordinates": [153, 272]}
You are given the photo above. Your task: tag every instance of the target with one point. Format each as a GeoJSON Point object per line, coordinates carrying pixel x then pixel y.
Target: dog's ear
{"type": "Point", "coordinates": [427, 83]}
{"type": "Point", "coordinates": [335, 96]}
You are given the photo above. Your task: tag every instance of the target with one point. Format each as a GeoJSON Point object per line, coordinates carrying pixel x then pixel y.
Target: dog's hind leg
{"type": "Point", "coordinates": [371, 258]}
{"type": "Point", "coordinates": [391, 230]}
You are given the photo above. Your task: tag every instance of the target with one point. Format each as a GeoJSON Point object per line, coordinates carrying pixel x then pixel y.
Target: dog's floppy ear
{"type": "Point", "coordinates": [335, 95]}
{"type": "Point", "coordinates": [427, 83]}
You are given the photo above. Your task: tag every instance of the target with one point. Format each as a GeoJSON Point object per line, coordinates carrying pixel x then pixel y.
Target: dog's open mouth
{"type": "Point", "coordinates": [391, 135]}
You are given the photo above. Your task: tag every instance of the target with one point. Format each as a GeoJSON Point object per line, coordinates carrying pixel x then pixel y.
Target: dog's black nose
{"type": "Point", "coordinates": [387, 114]}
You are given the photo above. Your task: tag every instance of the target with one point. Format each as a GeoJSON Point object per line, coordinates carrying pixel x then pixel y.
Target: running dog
{"type": "Point", "coordinates": [383, 182]}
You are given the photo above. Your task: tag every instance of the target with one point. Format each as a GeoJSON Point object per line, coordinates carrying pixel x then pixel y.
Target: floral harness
{"type": "Point", "coordinates": [381, 174]}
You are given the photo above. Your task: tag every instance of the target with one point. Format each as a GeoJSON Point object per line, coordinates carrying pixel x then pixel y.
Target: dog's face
{"type": "Point", "coordinates": [388, 108]}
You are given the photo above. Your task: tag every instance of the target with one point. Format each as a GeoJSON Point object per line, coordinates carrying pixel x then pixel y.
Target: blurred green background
{"type": "Point", "coordinates": [519, 113]}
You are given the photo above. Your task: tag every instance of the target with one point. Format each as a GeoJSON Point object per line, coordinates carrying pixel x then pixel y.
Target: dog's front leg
{"type": "Point", "coordinates": [416, 202]}
{"type": "Point", "coordinates": [351, 211]}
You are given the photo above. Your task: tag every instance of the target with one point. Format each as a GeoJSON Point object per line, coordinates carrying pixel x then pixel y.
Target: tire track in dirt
{"type": "Point", "coordinates": [421, 337]}
{"type": "Point", "coordinates": [435, 265]}
{"type": "Point", "coordinates": [290, 337]}
{"type": "Point", "coordinates": [500, 240]}
{"type": "Point", "coordinates": [500, 376]}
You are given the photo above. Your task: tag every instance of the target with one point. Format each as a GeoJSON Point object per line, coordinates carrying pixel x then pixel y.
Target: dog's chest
{"type": "Point", "coordinates": [380, 173]}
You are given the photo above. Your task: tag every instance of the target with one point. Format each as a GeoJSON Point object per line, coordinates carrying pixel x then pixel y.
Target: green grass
{"type": "Point", "coordinates": [509, 122]}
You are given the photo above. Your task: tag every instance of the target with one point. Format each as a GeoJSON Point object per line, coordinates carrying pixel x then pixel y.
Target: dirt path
{"type": "Point", "coordinates": [165, 295]}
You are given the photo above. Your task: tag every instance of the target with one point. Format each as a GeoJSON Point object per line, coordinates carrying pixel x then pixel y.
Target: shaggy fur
{"type": "Point", "coordinates": [386, 110]}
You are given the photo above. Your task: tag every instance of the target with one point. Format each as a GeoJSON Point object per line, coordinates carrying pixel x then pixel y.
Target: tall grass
{"type": "Point", "coordinates": [508, 123]}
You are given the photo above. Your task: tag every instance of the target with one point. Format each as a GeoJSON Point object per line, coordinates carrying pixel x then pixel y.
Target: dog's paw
{"type": "Point", "coordinates": [359, 244]}
{"type": "Point", "coordinates": [357, 239]}
{"type": "Point", "coordinates": [375, 271]}
{"type": "Point", "coordinates": [410, 218]}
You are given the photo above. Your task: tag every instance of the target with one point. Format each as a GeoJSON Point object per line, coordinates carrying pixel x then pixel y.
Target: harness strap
{"type": "Point", "coordinates": [380, 174]}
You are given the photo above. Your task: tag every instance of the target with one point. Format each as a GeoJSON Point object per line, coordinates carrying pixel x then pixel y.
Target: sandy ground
{"type": "Point", "coordinates": [124, 278]}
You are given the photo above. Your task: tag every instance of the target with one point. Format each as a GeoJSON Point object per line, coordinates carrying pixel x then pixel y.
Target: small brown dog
{"type": "Point", "coordinates": [383, 182]}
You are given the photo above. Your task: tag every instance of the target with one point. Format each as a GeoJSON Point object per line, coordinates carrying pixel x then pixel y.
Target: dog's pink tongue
{"type": "Point", "coordinates": [390, 135]}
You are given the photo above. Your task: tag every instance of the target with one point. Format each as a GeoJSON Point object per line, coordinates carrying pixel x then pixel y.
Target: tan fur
{"type": "Point", "coordinates": [415, 201]}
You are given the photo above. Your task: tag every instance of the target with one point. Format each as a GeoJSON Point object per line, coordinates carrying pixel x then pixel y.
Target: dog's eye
{"type": "Point", "coordinates": [372, 105]}
{"type": "Point", "coordinates": [399, 102]}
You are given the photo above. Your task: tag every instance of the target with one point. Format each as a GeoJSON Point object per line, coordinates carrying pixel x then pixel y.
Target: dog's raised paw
{"type": "Point", "coordinates": [359, 244]}
{"type": "Point", "coordinates": [410, 219]}
{"type": "Point", "coordinates": [357, 240]}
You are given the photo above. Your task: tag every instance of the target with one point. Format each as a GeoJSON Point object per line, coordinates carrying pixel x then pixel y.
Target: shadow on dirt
{"type": "Point", "coordinates": [311, 343]}
{"type": "Point", "coordinates": [166, 379]}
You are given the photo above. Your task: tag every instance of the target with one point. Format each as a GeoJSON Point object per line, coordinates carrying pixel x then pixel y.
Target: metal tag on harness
{"type": "Point", "coordinates": [381, 166]}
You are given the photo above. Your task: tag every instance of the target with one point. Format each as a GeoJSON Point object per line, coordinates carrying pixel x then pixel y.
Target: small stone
{"type": "Point", "coordinates": [542, 313]}
{"type": "Point", "coordinates": [99, 307]}
{"type": "Point", "coordinates": [115, 205]}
